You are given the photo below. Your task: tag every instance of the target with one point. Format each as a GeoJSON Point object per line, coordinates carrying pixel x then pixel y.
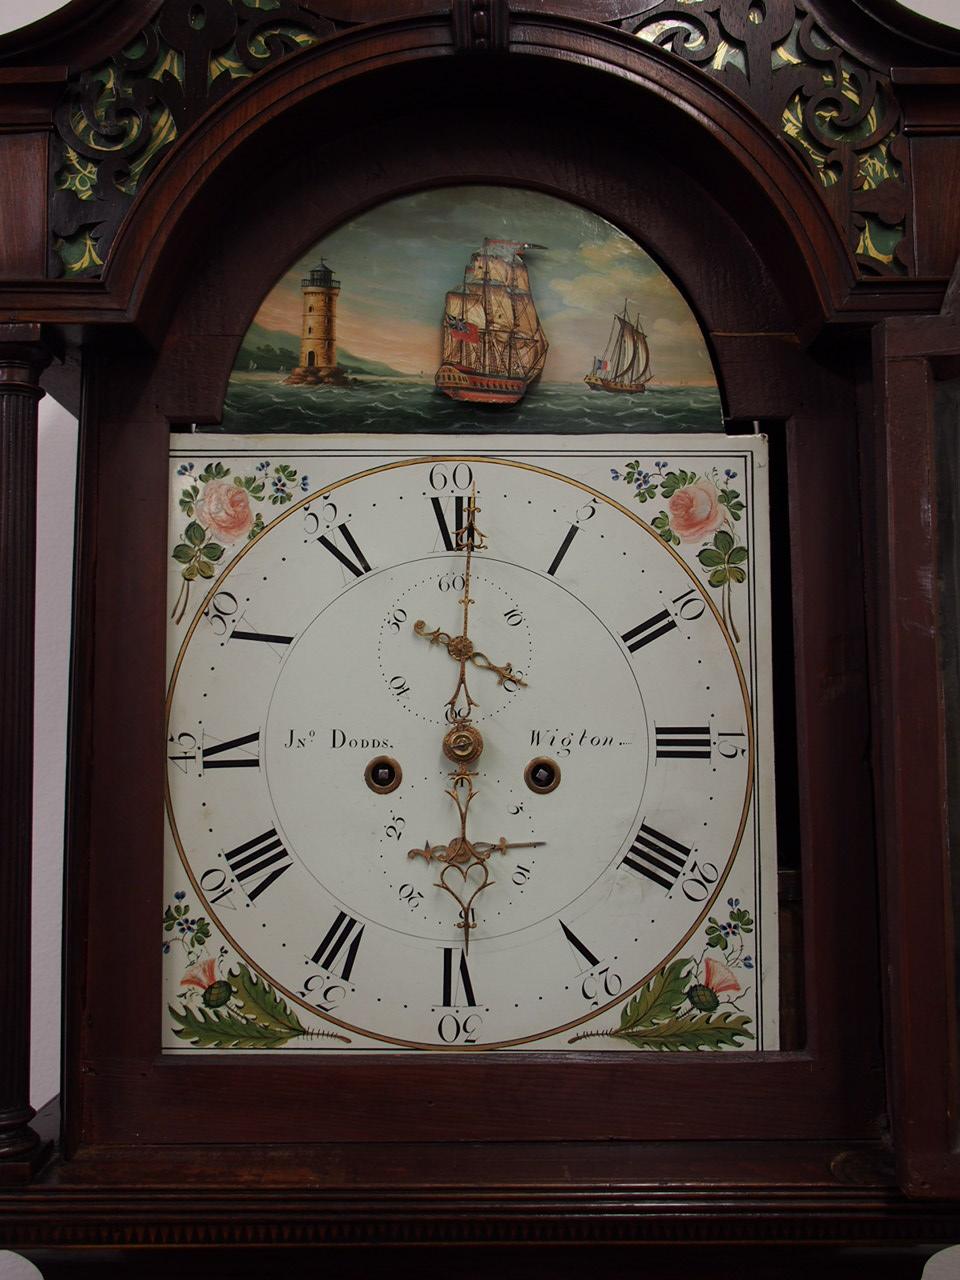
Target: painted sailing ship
{"type": "Point", "coordinates": [493, 345]}
{"type": "Point", "coordinates": [625, 364]}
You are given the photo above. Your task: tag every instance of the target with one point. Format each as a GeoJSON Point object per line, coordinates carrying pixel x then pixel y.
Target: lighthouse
{"type": "Point", "coordinates": [318, 338]}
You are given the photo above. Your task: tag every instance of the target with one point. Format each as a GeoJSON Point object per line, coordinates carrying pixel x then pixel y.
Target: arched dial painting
{"type": "Point", "coordinates": [469, 732]}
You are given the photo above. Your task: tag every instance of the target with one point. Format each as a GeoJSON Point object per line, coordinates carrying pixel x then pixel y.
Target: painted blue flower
{"type": "Point", "coordinates": [730, 475]}
{"type": "Point", "coordinates": [279, 485]}
{"type": "Point", "coordinates": [660, 465]}
{"type": "Point", "coordinates": [733, 902]}
{"type": "Point", "coordinates": [304, 483]}
{"type": "Point", "coordinates": [642, 479]}
{"type": "Point", "coordinates": [730, 930]}
{"type": "Point", "coordinates": [184, 468]}
{"type": "Point", "coordinates": [263, 466]}
{"type": "Point", "coordinates": [180, 895]}
{"type": "Point", "coordinates": [614, 474]}
{"type": "Point", "coordinates": [166, 948]}
{"type": "Point", "coordinates": [748, 962]}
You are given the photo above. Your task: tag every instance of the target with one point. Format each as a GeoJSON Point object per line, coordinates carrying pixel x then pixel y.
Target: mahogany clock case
{"type": "Point", "coordinates": [227, 261]}
{"type": "Point", "coordinates": [732, 216]}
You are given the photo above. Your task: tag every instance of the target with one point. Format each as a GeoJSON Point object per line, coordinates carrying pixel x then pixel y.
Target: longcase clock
{"type": "Point", "coordinates": [513, 654]}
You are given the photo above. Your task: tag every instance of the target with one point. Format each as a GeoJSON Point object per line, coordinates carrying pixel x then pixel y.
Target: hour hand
{"type": "Point", "coordinates": [461, 649]}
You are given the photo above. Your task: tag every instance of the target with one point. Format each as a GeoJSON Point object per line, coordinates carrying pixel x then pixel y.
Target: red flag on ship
{"type": "Point", "coordinates": [462, 330]}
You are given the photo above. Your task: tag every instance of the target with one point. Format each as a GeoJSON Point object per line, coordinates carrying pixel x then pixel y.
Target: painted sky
{"type": "Point", "coordinates": [396, 262]}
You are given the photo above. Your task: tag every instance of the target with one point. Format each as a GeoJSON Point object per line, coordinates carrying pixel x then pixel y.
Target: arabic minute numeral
{"type": "Point", "coordinates": [730, 745]}
{"type": "Point", "coordinates": [602, 985]}
{"type": "Point", "coordinates": [396, 620]}
{"type": "Point", "coordinates": [452, 1029]}
{"type": "Point", "coordinates": [411, 896]}
{"type": "Point", "coordinates": [398, 685]}
{"type": "Point", "coordinates": [394, 828]}
{"type": "Point", "coordinates": [223, 606]}
{"type": "Point", "coordinates": [443, 476]}
{"type": "Point", "coordinates": [696, 883]}
{"type": "Point", "coordinates": [188, 745]}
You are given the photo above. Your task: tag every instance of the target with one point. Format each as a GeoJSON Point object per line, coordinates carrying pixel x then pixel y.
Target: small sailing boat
{"type": "Point", "coordinates": [625, 363]}
{"type": "Point", "coordinates": [493, 345]}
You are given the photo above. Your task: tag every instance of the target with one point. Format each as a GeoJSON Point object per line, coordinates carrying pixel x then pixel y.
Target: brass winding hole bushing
{"type": "Point", "coordinates": [383, 775]}
{"type": "Point", "coordinates": [542, 775]}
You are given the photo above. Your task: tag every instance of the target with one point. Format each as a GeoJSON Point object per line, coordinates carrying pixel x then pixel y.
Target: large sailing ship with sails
{"type": "Point", "coordinates": [625, 364]}
{"type": "Point", "coordinates": [493, 344]}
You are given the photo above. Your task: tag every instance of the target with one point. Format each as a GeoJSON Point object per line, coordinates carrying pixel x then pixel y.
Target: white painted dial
{"type": "Point", "coordinates": [303, 665]}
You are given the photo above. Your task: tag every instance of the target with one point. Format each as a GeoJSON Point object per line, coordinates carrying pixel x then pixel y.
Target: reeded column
{"type": "Point", "coordinates": [22, 358]}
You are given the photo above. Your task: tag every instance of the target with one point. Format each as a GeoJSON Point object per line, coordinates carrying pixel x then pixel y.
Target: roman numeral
{"type": "Point", "coordinates": [446, 533]}
{"type": "Point", "coordinates": [564, 548]}
{"type": "Point", "coordinates": [686, 743]}
{"type": "Point", "coordinates": [261, 861]}
{"type": "Point", "coordinates": [357, 567]}
{"type": "Point", "coordinates": [343, 936]}
{"type": "Point", "coordinates": [656, 626]}
{"type": "Point", "coordinates": [245, 761]}
{"type": "Point", "coordinates": [463, 981]}
{"type": "Point", "coordinates": [656, 856]}
{"type": "Point", "coordinates": [265, 637]}
{"type": "Point", "coordinates": [579, 947]}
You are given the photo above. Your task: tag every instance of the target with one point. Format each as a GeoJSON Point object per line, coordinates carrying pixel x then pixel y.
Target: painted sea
{"type": "Point", "coordinates": [262, 403]}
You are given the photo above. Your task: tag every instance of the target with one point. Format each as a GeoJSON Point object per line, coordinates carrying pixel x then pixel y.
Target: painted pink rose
{"type": "Point", "coordinates": [695, 511]}
{"type": "Point", "coordinates": [225, 510]}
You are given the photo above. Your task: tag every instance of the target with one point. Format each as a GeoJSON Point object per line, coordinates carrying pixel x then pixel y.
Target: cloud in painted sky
{"type": "Point", "coordinates": [396, 262]}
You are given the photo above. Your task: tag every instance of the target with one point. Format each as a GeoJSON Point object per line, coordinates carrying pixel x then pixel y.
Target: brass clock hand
{"type": "Point", "coordinates": [468, 539]}
{"type": "Point", "coordinates": [461, 856]}
{"type": "Point", "coordinates": [461, 649]}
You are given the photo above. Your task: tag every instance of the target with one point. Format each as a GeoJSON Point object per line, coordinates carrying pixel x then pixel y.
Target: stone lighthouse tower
{"type": "Point", "coordinates": [318, 339]}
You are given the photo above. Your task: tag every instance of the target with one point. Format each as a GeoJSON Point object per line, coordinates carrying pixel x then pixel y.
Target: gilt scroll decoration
{"type": "Point", "coordinates": [837, 113]}
{"type": "Point", "coordinates": [119, 118]}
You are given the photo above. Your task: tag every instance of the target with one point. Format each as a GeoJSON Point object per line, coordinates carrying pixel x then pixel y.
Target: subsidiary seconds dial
{"type": "Point", "coordinates": [459, 779]}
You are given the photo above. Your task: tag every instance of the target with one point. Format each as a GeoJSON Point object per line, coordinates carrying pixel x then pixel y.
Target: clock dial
{"type": "Point", "coordinates": [402, 893]}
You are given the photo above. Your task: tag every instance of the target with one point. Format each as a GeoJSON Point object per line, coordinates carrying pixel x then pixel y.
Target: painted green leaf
{"type": "Point", "coordinates": [211, 1029]}
{"type": "Point", "coordinates": [736, 574]}
{"type": "Point", "coordinates": [704, 1031]}
{"type": "Point", "coordinates": [723, 541]}
{"type": "Point", "coordinates": [204, 569]}
{"type": "Point", "coordinates": [710, 558]}
{"type": "Point", "coordinates": [261, 1003]}
{"type": "Point", "coordinates": [190, 572]}
{"type": "Point", "coordinates": [183, 553]}
{"type": "Point", "coordinates": [194, 533]}
{"type": "Point", "coordinates": [738, 555]}
{"type": "Point", "coordinates": [718, 577]}
{"type": "Point", "coordinates": [660, 998]}
{"type": "Point", "coordinates": [212, 551]}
